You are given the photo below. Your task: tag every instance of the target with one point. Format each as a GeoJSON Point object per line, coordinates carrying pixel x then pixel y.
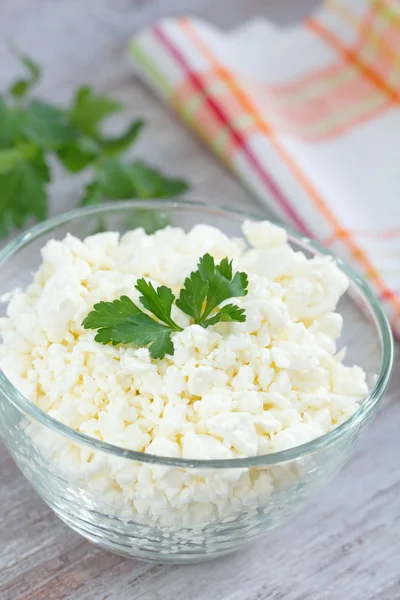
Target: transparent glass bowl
{"type": "Point", "coordinates": [256, 493]}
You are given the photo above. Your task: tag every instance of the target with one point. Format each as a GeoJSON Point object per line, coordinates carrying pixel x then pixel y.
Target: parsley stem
{"type": "Point", "coordinates": [173, 326]}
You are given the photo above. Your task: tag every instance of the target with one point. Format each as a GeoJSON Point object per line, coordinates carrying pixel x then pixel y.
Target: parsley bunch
{"type": "Point", "coordinates": [123, 322]}
{"type": "Point", "coordinates": [32, 131]}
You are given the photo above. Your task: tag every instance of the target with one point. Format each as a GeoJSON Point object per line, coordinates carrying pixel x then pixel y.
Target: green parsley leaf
{"type": "Point", "coordinates": [225, 268]}
{"type": "Point", "coordinates": [116, 145]}
{"type": "Point", "coordinates": [25, 181]}
{"type": "Point", "coordinates": [83, 150]}
{"type": "Point", "coordinates": [121, 180]}
{"type": "Point", "coordinates": [221, 284]}
{"type": "Point", "coordinates": [10, 124]}
{"type": "Point", "coordinates": [46, 125]}
{"type": "Point", "coordinates": [150, 183]}
{"type": "Point", "coordinates": [144, 331]}
{"type": "Point", "coordinates": [11, 157]}
{"type": "Point", "coordinates": [117, 180]}
{"type": "Point", "coordinates": [92, 195]}
{"type": "Point", "coordinates": [20, 88]}
{"type": "Point", "coordinates": [106, 316]}
{"type": "Point", "coordinates": [229, 312]}
{"type": "Point", "coordinates": [113, 177]}
{"type": "Point", "coordinates": [109, 314]}
{"type": "Point", "coordinates": [206, 267]}
{"type": "Point", "coordinates": [122, 322]}
{"type": "Point", "coordinates": [158, 301]}
{"type": "Point", "coordinates": [211, 285]}
{"type": "Point", "coordinates": [192, 296]}
{"type": "Point", "coordinates": [90, 109]}
{"type": "Point", "coordinates": [77, 154]}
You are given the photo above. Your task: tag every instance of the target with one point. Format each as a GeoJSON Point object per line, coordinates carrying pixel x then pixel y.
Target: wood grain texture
{"type": "Point", "coordinates": [346, 544]}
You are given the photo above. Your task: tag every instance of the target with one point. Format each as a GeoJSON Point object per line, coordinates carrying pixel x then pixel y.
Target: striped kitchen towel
{"type": "Point", "coordinates": [308, 117]}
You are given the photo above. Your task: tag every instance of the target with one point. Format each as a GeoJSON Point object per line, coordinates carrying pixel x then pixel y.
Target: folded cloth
{"type": "Point", "coordinates": [308, 117]}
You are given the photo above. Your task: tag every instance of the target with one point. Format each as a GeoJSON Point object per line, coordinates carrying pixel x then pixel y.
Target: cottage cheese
{"type": "Point", "coordinates": [232, 390]}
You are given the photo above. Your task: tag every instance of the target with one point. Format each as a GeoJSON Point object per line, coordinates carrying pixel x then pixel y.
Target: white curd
{"type": "Point", "coordinates": [231, 390]}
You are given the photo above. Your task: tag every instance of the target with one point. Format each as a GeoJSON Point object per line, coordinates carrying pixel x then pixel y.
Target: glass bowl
{"type": "Point", "coordinates": [256, 493]}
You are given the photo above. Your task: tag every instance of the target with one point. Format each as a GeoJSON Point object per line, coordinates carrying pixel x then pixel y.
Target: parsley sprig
{"type": "Point", "coordinates": [33, 133]}
{"type": "Point", "coordinates": [207, 287]}
{"type": "Point", "coordinates": [123, 322]}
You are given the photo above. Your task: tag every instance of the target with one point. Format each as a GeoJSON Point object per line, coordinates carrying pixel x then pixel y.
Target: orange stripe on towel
{"type": "Point", "coordinates": [352, 57]}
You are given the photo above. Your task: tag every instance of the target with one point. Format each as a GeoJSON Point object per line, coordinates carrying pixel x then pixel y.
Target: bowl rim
{"type": "Point", "coordinates": [370, 402]}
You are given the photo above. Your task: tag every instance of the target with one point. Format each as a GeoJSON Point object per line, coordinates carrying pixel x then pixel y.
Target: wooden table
{"type": "Point", "coordinates": [346, 544]}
